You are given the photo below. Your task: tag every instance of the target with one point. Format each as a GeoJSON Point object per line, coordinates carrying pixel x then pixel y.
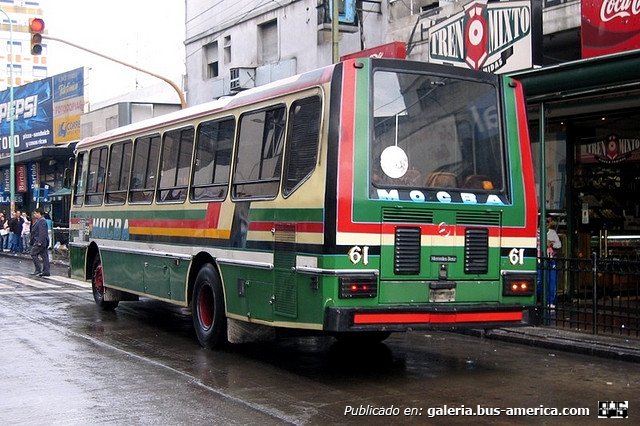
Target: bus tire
{"type": "Point", "coordinates": [207, 310]}
{"type": "Point", "coordinates": [97, 285]}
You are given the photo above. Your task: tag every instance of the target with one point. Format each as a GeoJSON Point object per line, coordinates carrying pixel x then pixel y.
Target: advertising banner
{"type": "Point", "coordinates": [21, 178]}
{"type": "Point", "coordinates": [45, 112]}
{"type": "Point", "coordinates": [493, 37]}
{"type": "Point", "coordinates": [609, 26]}
{"type": "Point", "coordinates": [612, 149]}
{"type": "Point", "coordinates": [68, 105]}
{"type": "Point", "coordinates": [395, 49]}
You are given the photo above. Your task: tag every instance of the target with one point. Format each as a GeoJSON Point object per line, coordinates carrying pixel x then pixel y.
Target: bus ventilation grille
{"type": "Point", "coordinates": [407, 215]}
{"type": "Point", "coordinates": [476, 251]}
{"type": "Point", "coordinates": [284, 259]}
{"type": "Point", "coordinates": [478, 218]}
{"type": "Point", "coordinates": [407, 251]}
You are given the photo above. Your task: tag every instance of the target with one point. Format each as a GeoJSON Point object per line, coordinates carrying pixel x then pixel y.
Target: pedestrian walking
{"type": "Point", "coordinates": [40, 244]}
{"type": "Point", "coordinates": [26, 233]}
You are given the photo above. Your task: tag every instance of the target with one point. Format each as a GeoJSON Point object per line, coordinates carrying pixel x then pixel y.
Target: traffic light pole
{"type": "Point", "coordinates": [12, 164]}
{"type": "Point", "coordinates": [183, 101]}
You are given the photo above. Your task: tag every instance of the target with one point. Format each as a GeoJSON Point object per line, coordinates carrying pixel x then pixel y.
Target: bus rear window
{"type": "Point", "coordinates": [435, 132]}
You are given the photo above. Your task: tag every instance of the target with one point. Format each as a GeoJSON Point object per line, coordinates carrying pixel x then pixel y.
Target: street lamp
{"type": "Point", "coordinates": [12, 167]}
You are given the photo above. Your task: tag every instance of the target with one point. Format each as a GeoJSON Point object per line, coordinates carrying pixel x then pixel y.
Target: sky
{"type": "Point", "coordinates": [145, 33]}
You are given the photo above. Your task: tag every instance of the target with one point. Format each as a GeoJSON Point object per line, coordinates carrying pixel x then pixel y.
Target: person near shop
{"type": "Point", "coordinates": [26, 233]}
{"type": "Point", "coordinates": [19, 245]}
{"type": "Point", "coordinates": [15, 230]}
{"type": "Point", "coordinates": [554, 245]}
{"type": "Point", "coordinates": [40, 244]}
{"type": "Point", "coordinates": [4, 232]}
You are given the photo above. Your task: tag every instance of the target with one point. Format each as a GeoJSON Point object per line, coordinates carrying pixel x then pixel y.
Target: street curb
{"type": "Point", "coordinates": [557, 339]}
{"type": "Point", "coordinates": [52, 259]}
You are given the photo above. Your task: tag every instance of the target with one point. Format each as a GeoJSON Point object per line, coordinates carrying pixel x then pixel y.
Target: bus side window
{"type": "Point", "coordinates": [302, 146]}
{"type": "Point", "coordinates": [96, 175]}
{"type": "Point", "coordinates": [259, 154]}
{"type": "Point", "coordinates": [212, 162]}
{"type": "Point", "coordinates": [175, 165]}
{"type": "Point", "coordinates": [81, 179]}
{"type": "Point", "coordinates": [118, 173]}
{"type": "Point", "coordinates": [145, 166]}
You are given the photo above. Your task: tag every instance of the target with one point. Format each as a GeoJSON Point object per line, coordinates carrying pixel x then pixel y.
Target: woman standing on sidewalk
{"type": "Point", "coordinates": [4, 232]}
{"type": "Point", "coordinates": [26, 233]}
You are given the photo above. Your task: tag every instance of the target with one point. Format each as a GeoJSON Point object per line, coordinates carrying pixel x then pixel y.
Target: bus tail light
{"type": "Point", "coordinates": [355, 287]}
{"type": "Point", "coordinates": [518, 284]}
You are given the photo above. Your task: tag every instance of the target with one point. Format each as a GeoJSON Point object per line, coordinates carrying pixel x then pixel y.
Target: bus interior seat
{"type": "Point", "coordinates": [442, 180]}
{"type": "Point", "coordinates": [477, 182]}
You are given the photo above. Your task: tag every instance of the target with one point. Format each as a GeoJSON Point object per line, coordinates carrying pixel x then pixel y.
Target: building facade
{"type": "Point", "coordinates": [232, 45]}
{"type": "Point", "coordinates": [15, 44]}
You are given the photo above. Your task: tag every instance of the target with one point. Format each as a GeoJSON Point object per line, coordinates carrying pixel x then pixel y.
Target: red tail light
{"type": "Point", "coordinates": [353, 287]}
{"type": "Point", "coordinates": [518, 284]}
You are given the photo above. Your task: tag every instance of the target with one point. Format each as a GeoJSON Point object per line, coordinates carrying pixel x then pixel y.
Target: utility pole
{"type": "Point", "coordinates": [175, 87]}
{"type": "Point", "coordinates": [335, 44]}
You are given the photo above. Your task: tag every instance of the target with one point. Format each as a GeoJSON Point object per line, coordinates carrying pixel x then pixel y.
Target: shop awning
{"type": "Point", "coordinates": [60, 192]}
{"type": "Point", "coordinates": [62, 153]}
{"type": "Point", "coordinates": [605, 73]}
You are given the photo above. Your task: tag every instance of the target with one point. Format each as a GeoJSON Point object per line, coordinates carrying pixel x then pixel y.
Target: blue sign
{"type": "Point", "coordinates": [36, 105]}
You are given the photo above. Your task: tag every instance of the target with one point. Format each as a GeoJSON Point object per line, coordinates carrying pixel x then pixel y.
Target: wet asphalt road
{"type": "Point", "coordinates": [63, 361]}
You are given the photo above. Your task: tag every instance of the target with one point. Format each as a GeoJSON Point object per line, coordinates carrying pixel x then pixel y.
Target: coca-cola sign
{"type": "Point", "coordinates": [610, 26]}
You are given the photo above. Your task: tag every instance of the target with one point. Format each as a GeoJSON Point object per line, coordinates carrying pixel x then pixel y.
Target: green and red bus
{"type": "Point", "coordinates": [367, 197]}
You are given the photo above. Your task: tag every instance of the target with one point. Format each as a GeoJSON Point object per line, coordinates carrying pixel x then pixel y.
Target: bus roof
{"type": "Point", "coordinates": [256, 94]}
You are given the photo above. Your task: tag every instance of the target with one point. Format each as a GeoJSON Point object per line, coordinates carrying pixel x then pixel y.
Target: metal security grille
{"type": "Point", "coordinates": [406, 259]}
{"type": "Point", "coordinates": [476, 251]}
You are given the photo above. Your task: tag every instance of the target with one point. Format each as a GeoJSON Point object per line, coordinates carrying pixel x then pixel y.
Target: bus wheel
{"type": "Point", "coordinates": [207, 309]}
{"type": "Point", "coordinates": [97, 285]}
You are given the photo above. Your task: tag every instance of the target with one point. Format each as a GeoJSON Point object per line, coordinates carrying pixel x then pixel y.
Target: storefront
{"type": "Point", "coordinates": [40, 182]}
{"type": "Point", "coordinates": [589, 144]}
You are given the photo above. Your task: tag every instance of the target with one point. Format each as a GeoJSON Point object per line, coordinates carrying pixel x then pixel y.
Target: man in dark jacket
{"type": "Point", "coordinates": [40, 244]}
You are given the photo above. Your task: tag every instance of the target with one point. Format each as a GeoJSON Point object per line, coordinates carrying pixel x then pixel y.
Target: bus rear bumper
{"type": "Point", "coordinates": [404, 318]}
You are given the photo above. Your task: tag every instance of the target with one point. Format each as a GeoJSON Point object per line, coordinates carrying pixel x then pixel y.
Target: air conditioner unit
{"type": "Point", "coordinates": [241, 78]}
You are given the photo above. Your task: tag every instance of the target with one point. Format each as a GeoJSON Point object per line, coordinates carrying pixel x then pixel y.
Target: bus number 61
{"type": "Point", "coordinates": [516, 256]}
{"type": "Point", "coordinates": [357, 254]}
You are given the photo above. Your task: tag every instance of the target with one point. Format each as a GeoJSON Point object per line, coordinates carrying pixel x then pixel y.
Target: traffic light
{"type": "Point", "coordinates": [36, 27]}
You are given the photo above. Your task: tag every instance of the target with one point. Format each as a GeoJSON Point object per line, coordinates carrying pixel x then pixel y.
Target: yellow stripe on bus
{"type": "Point", "coordinates": [180, 232]}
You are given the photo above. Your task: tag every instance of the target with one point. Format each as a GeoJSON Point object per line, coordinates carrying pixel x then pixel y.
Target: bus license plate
{"type": "Point", "coordinates": [442, 295]}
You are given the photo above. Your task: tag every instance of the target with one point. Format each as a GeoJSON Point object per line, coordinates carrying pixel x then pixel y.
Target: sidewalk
{"type": "Point", "coordinates": [612, 347]}
{"type": "Point", "coordinates": [54, 257]}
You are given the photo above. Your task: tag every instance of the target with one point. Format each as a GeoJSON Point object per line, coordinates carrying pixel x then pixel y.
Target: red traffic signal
{"type": "Point", "coordinates": [36, 27]}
